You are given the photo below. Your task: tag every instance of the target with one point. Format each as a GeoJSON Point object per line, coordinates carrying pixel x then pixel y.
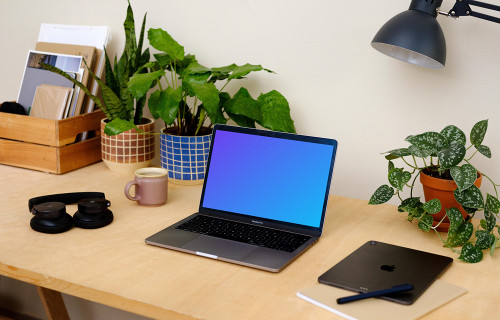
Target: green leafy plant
{"type": "Point", "coordinates": [444, 155]}
{"type": "Point", "coordinates": [122, 109]}
{"type": "Point", "coordinates": [187, 93]}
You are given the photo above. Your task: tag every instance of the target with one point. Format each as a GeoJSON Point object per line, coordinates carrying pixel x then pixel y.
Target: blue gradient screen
{"type": "Point", "coordinates": [268, 177]}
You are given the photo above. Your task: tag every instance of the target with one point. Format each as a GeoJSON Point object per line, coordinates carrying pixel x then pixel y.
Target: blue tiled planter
{"type": "Point", "coordinates": [185, 158]}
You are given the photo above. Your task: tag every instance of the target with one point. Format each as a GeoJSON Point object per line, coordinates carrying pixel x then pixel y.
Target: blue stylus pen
{"type": "Point", "coordinates": [378, 293]}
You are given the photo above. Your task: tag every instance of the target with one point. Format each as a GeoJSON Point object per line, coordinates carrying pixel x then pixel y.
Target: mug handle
{"type": "Point", "coordinates": [127, 190]}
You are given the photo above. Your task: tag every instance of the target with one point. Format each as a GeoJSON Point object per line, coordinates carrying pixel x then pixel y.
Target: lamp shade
{"type": "Point", "coordinates": [413, 36]}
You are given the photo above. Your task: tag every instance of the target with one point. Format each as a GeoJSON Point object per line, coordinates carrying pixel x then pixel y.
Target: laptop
{"type": "Point", "coordinates": [377, 266]}
{"type": "Point", "coordinates": [263, 200]}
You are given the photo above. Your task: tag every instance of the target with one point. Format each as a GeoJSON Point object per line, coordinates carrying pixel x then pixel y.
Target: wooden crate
{"type": "Point", "coordinates": [49, 145]}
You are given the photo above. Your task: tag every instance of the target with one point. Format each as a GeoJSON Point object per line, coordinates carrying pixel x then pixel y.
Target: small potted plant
{"type": "Point", "coordinates": [189, 102]}
{"type": "Point", "coordinates": [442, 159]}
{"type": "Point", "coordinates": [125, 144]}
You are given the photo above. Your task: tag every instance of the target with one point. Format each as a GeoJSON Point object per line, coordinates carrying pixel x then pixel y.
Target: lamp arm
{"type": "Point", "coordinates": [462, 8]}
{"type": "Point", "coordinates": [483, 5]}
{"type": "Point", "coordinates": [485, 17]}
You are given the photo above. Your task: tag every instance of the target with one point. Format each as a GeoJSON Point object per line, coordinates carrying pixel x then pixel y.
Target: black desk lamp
{"type": "Point", "coordinates": [416, 37]}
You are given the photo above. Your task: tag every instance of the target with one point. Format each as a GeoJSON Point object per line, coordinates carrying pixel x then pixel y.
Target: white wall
{"type": "Point", "coordinates": [337, 85]}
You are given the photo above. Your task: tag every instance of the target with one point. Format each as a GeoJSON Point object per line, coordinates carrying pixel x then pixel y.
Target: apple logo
{"type": "Point", "coordinates": [388, 268]}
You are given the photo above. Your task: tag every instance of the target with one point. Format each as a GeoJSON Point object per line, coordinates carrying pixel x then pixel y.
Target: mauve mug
{"type": "Point", "coordinates": [151, 187]}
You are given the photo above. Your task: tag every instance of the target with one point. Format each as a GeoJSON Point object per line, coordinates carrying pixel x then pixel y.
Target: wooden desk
{"type": "Point", "coordinates": [115, 267]}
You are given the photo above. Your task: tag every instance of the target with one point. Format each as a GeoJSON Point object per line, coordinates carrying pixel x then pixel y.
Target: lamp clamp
{"type": "Point", "coordinates": [444, 13]}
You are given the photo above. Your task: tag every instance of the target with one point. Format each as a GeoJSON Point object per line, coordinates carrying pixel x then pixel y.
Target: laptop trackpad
{"type": "Point", "coordinates": [219, 247]}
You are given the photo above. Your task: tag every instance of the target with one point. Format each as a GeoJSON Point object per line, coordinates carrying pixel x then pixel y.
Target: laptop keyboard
{"type": "Point", "coordinates": [242, 232]}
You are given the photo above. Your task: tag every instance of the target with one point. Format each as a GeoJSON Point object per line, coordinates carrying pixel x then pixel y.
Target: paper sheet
{"type": "Point", "coordinates": [438, 294]}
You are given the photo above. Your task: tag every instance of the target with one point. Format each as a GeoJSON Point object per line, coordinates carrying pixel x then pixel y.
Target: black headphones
{"type": "Point", "coordinates": [50, 214]}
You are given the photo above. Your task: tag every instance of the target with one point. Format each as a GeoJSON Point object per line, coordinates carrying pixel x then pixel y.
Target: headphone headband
{"type": "Point", "coordinates": [66, 198]}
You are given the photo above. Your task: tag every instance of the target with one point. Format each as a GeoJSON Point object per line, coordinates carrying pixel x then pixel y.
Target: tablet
{"type": "Point", "coordinates": [377, 265]}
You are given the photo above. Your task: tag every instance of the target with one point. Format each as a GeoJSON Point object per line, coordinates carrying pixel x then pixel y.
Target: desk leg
{"type": "Point", "coordinates": [53, 304]}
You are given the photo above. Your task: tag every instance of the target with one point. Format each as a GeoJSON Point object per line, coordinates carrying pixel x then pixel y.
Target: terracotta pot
{"type": "Point", "coordinates": [185, 157]}
{"type": "Point", "coordinates": [442, 189]}
{"type": "Point", "coordinates": [129, 150]}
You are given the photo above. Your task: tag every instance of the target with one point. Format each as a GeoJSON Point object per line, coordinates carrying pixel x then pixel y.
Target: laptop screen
{"type": "Point", "coordinates": [264, 174]}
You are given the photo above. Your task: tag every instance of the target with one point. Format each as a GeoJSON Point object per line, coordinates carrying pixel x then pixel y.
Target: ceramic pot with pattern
{"type": "Point", "coordinates": [129, 150]}
{"type": "Point", "coordinates": [185, 157]}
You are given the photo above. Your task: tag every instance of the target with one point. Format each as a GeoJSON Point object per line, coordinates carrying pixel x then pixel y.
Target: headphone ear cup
{"type": "Point", "coordinates": [93, 213]}
{"type": "Point", "coordinates": [96, 221]}
{"type": "Point", "coordinates": [51, 217]}
{"type": "Point", "coordinates": [59, 225]}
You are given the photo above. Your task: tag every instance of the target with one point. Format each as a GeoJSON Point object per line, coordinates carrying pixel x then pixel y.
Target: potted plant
{"type": "Point", "coordinates": [443, 157]}
{"type": "Point", "coordinates": [125, 143]}
{"type": "Point", "coordinates": [189, 102]}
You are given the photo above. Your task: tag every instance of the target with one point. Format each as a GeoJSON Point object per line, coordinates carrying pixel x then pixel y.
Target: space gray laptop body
{"type": "Point", "coordinates": [377, 266]}
{"type": "Point", "coordinates": [264, 181]}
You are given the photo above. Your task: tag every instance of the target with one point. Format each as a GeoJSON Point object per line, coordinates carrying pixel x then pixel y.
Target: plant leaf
{"type": "Point", "coordinates": [484, 239]}
{"type": "Point", "coordinates": [117, 126]}
{"type": "Point", "coordinates": [398, 178]}
{"type": "Point", "coordinates": [469, 210]}
{"type": "Point", "coordinates": [482, 223]}
{"type": "Point", "coordinates": [382, 195]}
{"type": "Point", "coordinates": [241, 71]}
{"type": "Point", "coordinates": [464, 176]}
{"type": "Point", "coordinates": [188, 81]}
{"type": "Point", "coordinates": [425, 223]}
{"type": "Point", "coordinates": [419, 153]}
{"type": "Point", "coordinates": [126, 100]}
{"type": "Point", "coordinates": [163, 59]}
{"type": "Point", "coordinates": [165, 104]}
{"type": "Point", "coordinates": [456, 219]}
{"type": "Point", "coordinates": [493, 247]}
{"type": "Point", "coordinates": [397, 153]}
{"type": "Point", "coordinates": [492, 203]}
{"type": "Point", "coordinates": [390, 165]}
{"type": "Point", "coordinates": [484, 150]}
{"type": "Point", "coordinates": [417, 212]}
{"type": "Point", "coordinates": [461, 235]}
{"type": "Point", "coordinates": [111, 80]}
{"type": "Point", "coordinates": [431, 141]}
{"type": "Point", "coordinates": [408, 203]}
{"type": "Point", "coordinates": [180, 65]}
{"type": "Point", "coordinates": [454, 135]}
{"type": "Point", "coordinates": [144, 57]}
{"type": "Point", "coordinates": [432, 206]}
{"type": "Point", "coordinates": [194, 68]}
{"type": "Point", "coordinates": [209, 95]}
{"type": "Point", "coordinates": [478, 131]}
{"type": "Point", "coordinates": [130, 38]}
{"type": "Point", "coordinates": [140, 83]}
{"type": "Point", "coordinates": [240, 120]}
{"type": "Point", "coordinates": [162, 41]}
{"type": "Point", "coordinates": [275, 112]}
{"type": "Point", "coordinates": [471, 197]}
{"type": "Point", "coordinates": [243, 104]}
{"type": "Point", "coordinates": [470, 253]}
{"type": "Point", "coordinates": [451, 156]}
{"type": "Point", "coordinates": [222, 73]}
{"type": "Point", "coordinates": [490, 220]}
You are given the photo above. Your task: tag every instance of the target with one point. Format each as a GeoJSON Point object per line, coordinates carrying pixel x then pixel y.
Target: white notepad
{"type": "Point", "coordinates": [324, 296]}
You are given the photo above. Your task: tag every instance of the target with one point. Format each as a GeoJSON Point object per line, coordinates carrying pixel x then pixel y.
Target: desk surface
{"type": "Point", "coordinates": [115, 267]}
